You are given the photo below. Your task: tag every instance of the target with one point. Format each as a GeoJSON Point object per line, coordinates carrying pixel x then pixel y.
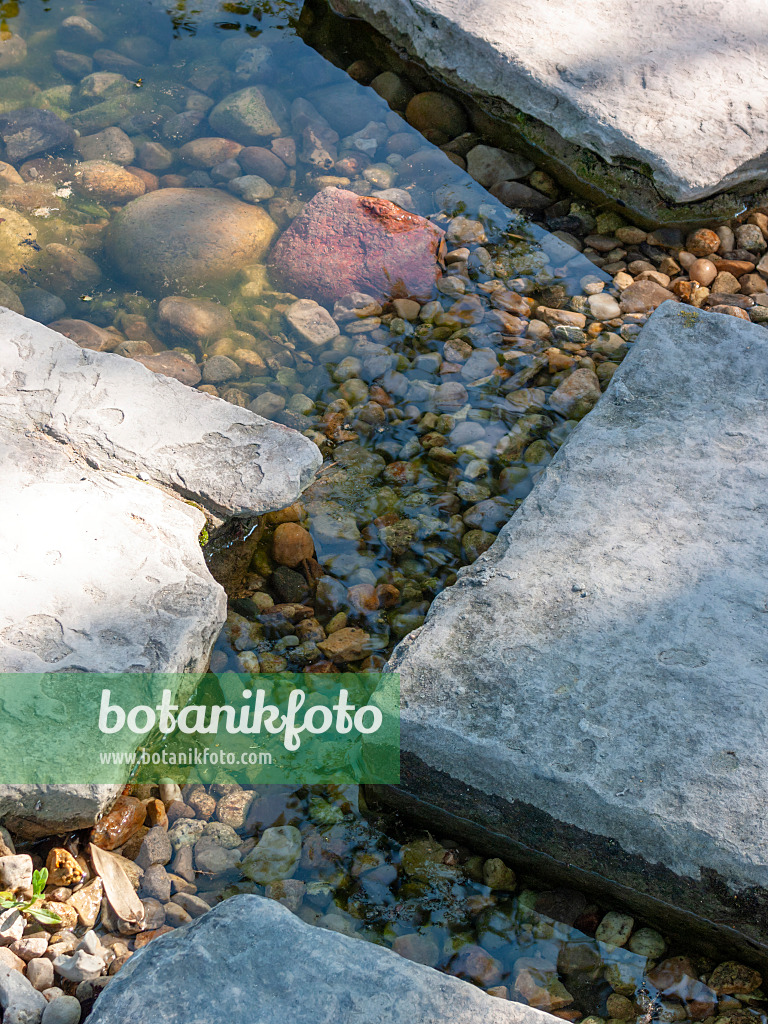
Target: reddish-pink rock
{"type": "Point", "coordinates": [342, 243]}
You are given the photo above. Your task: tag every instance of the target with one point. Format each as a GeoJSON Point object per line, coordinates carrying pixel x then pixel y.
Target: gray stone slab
{"type": "Point", "coordinates": [102, 568]}
{"type": "Point", "coordinates": [101, 572]}
{"type": "Point", "coordinates": [250, 959]}
{"type": "Point", "coordinates": [103, 561]}
{"type": "Point", "coordinates": [595, 686]}
{"type": "Point", "coordinates": [677, 86]}
{"type": "Point", "coordinates": [38, 811]}
{"type": "Point", "coordinates": [120, 416]}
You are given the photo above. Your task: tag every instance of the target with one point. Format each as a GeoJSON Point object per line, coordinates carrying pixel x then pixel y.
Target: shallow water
{"type": "Point", "coordinates": [409, 492]}
{"type": "Point", "coordinates": [360, 398]}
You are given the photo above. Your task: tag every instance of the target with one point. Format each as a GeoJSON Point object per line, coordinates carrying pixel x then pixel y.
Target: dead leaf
{"type": "Point", "coordinates": [117, 886]}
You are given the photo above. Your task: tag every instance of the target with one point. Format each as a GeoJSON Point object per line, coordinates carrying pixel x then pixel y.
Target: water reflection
{"type": "Point", "coordinates": [435, 417]}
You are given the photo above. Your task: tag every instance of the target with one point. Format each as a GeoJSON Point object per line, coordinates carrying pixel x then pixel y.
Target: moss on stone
{"type": "Point", "coordinates": [689, 317]}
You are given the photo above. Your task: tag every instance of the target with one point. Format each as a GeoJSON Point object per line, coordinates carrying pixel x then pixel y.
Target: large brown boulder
{"type": "Point", "coordinates": [177, 238]}
{"type": "Point", "coordinates": [342, 243]}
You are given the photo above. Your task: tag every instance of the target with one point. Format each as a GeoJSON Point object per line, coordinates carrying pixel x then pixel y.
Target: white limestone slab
{"type": "Point", "coordinates": [681, 87]}
{"type": "Point", "coordinates": [102, 568]}
{"type": "Point", "coordinates": [601, 671]}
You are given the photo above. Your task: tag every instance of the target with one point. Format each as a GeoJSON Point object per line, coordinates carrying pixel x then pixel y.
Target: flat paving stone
{"type": "Point", "coordinates": [120, 416]}
{"type": "Point", "coordinates": [679, 86]}
{"type": "Point", "coordinates": [105, 469]}
{"type": "Point", "coordinates": [595, 685]}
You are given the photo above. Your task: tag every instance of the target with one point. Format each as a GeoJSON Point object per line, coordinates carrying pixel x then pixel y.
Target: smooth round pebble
{"type": "Point", "coordinates": [702, 271]}
{"type": "Point", "coordinates": [615, 928]}
{"type": "Point", "coordinates": [64, 1010]}
{"type": "Point", "coordinates": [603, 306]}
{"type": "Point", "coordinates": [433, 111]}
{"type": "Point", "coordinates": [591, 284]}
{"type": "Point", "coordinates": [648, 943]}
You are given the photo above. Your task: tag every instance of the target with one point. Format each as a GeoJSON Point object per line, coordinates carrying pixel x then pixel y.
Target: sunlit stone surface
{"type": "Point", "coordinates": [594, 685]}
{"type": "Point", "coordinates": [102, 565]}
{"type": "Point", "coordinates": [287, 970]}
{"type": "Point", "coordinates": [679, 87]}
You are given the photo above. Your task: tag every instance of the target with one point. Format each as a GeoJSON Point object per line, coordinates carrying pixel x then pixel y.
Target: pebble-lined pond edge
{"type": "Point", "coordinates": [435, 418]}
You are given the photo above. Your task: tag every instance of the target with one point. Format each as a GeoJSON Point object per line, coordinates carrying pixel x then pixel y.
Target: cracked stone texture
{"type": "Point", "coordinates": [281, 969]}
{"type": "Point", "coordinates": [604, 662]}
{"type": "Point", "coordinates": [104, 571]}
{"type": "Point", "coordinates": [118, 415]}
{"type": "Point", "coordinates": [680, 87]}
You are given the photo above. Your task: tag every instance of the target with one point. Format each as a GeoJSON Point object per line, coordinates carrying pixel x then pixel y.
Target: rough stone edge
{"type": "Point", "coordinates": [737, 911]}
{"type": "Point", "coordinates": [299, 457]}
{"type": "Point", "coordinates": [24, 808]}
{"type": "Point", "coordinates": [626, 184]}
{"type": "Point", "coordinates": [273, 923]}
{"type": "Point", "coordinates": [564, 855]}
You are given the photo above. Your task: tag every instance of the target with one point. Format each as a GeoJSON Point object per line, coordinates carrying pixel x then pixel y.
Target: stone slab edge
{"type": "Point", "coordinates": [570, 90]}
{"type": "Point", "coordinates": [97, 422]}
{"type": "Point", "coordinates": [120, 416]}
{"type": "Point", "coordinates": [249, 958]}
{"type": "Point", "coordinates": [671, 787]}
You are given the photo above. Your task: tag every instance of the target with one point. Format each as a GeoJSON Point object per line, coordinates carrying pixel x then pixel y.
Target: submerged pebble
{"type": "Point", "coordinates": [438, 363]}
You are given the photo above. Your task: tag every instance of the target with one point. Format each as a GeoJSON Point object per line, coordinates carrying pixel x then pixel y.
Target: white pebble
{"type": "Point", "coordinates": [604, 307]}
{"type": "Point", "coordinates": [591, 285]}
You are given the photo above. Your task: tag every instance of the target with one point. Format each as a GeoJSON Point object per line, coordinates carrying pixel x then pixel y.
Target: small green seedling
{"type": "Point", "coordinates": [31, 907]}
